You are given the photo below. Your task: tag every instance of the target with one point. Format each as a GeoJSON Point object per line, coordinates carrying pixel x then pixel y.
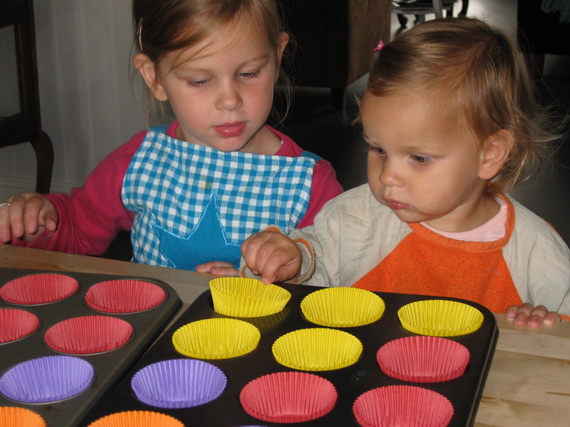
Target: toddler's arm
{"type": "Point", "coordinates": [533, 317]}
{"type": "Point", "coordinates": [272, 255]}
{"type": "Point", "coordinates": [25, 216]}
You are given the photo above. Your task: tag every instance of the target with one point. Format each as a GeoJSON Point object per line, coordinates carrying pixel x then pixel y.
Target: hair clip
{"type": "Point", "coordinates": [139, 35]}
{"type": "Point", "coordinates": [379, 47]}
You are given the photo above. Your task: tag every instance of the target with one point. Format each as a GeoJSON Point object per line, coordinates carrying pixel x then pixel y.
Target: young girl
{"type": "Point", "coordinates": [190, 192]}
{"type": "Point", "coordinates": [450, 120]}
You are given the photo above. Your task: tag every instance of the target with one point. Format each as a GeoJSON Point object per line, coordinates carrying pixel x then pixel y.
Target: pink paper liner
{"type": "Point", "coordinates": [288, 397]}
{"type": "Point", "coordinates": [20, 417]}
{"type": "Point", "coordinates": [178, 383]}
{"type": "Point", "coordinates": [46, 379]}
{"type": "Point", "coordinates": [88, 335]}
{"type": "Point", "coordinates": [124, 296]}
{"type": "Point", "coordinates": [16, 324]}
{"type": "Point", "coordinates": [423, 359]}
{"type": "Point", "coordinates": [40, 288]}
{"type": "Point", "coordinates": [137, 419]}
{"type": "Point", "coordinates": [402, 405]}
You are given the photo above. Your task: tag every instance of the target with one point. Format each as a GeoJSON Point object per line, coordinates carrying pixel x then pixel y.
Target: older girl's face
{"type": "Point", "coordinates": [423, 162]}
{"type": "Point", "coordinates": [221, 90]}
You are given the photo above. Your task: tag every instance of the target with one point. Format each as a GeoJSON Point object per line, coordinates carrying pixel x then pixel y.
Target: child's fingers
{"type": "Point", "coordinates": [4, 222]}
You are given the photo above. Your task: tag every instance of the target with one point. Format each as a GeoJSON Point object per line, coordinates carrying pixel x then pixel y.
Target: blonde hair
{"type": "Point", "coordinates": [481, 71]}
{"type": "Point", "coordinates": [166, 26]}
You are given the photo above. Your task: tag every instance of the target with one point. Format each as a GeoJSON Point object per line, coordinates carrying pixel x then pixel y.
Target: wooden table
{"type": "Point", "coordinates": [529, 379]}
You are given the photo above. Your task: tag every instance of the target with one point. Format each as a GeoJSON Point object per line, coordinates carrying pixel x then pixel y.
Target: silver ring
{"type": "Point", "coordinates": [5, 204]}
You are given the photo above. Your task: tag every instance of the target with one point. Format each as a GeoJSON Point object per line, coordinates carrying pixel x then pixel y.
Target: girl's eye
{"type": "Point", "coordinates": [249, 75]}
{"type": "Point", "coordinates": [422, 160]}
{"type": "Point", "coordinates": [376, 150]}
{"type": "Point", "coordinates": [197, 83]}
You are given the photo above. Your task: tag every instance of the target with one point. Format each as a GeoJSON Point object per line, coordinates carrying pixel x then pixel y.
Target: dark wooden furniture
{"type": "Point", "coordinates": [22, 123]}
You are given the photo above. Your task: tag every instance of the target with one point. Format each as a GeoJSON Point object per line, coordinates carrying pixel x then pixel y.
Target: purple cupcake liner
{"type": "Point", "coordinates": [46, 379]}
{"type": "Point", "coordinates": [178, 383]}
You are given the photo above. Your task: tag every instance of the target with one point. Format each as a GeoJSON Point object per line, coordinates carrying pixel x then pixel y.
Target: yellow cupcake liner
{"type": "Point", "coordinates": [243, 297]}
{"type": "Point", "coordinates": [342, 307]}
{"type": "Point", "coordinates": [137, 419]}
{"type": "Point", "coordinates": [216, 338]}
{"type": "Point", "coordinates": [18, 417]}
{"type": "Point", "coordinates": [440, 318]}
{"type": "Point", "coordinates": [317, 349]}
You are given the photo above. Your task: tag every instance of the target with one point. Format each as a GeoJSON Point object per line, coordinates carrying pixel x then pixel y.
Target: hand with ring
{"type": "Point", "coordinates": [25, 216]}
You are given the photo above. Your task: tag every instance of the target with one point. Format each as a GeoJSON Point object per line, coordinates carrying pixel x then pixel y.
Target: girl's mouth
{"type": "Point", "coordinates": [394, 205]}
{"type": "Point", "coordinates": [229, 130]}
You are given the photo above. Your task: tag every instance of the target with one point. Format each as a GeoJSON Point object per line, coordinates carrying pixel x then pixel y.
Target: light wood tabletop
{"type": "Point", "coordinates": [529, 379]}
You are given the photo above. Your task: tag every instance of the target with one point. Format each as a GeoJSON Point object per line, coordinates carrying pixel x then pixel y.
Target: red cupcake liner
{"type": "Point", "coordinates": [16, 324]}
{"type": "Point", "coordinates": [288, 397]}
{"type": "Point", "coordinates": [41, 288]}
{"type": "Point", "coordinates": [124, 296]}
{"type": "Point", "coordinates": [88, 335]}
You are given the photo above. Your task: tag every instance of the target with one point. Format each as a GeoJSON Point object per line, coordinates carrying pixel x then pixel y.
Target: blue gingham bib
{"type": "Point", "coordinates": [195, 204]}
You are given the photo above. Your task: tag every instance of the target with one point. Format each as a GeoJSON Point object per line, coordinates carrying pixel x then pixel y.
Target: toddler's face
{"type": "Point", "coordinates": [423, 161]}
{"type": "Point", "coordinates": [221, 90]}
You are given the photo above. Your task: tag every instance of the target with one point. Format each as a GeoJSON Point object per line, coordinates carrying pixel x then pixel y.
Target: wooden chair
{"type": "Point", "coordinates": [24, 124]}
{"type": "Point", "coordinates": [421, 8]}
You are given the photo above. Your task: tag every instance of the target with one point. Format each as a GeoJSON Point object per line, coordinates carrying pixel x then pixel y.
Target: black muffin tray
{"type": "Point", "coordinates": [463, 392]}
{"type": "Point", "coordinates": [109, 366]}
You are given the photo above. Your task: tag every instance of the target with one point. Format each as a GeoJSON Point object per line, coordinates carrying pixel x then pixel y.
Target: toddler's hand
{"type": "Point", "coordinates": [272, 255]}
{"type": "Point", "coordinates": [25, 216]}
{"type": "Point", "coordinates": [533, 317]}
{"type": "Point", "coordinates": [218, 268]}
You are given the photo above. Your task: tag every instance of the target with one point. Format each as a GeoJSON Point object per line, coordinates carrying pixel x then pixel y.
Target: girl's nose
{"type": "Point", "coordinates": [229, 97]}
{"type": "Point", "coordinates": [389, 174]}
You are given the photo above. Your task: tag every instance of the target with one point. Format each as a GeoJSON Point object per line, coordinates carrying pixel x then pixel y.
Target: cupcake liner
{"type": "Point", "coordinates": [137, 419]}
{"type": "Point", "coordinates": [242, 297]}
{"type": "Point", "coordinates": [423, 359]}
{"type": "Point", "coordinates": [16, 324]}
{"type": "Point", "coordinates": [39, 289]}
{"type": "Point", "coordinates": [317, 349]}
{"type": "Point", "coordinates": [442, 318]}
{"type": "Point", "coordinates": [342, 307]}
{"type": "Point", "coordinates": [88, 335]}
{"type": "Point", "coordinates": [46, 379]}
{"type": "Point", "coordinates": [401, 405]}
{"type": "Point", "coordinates": [178, 383]}
{"type": "Point", "coordinates": [20, 417]}
{"type": "Point", "coordinates": [124, 296]}
{"type": "Point", "coordinates": [288, 397]}
{"type": "Point", "coordinates": [216, 338]}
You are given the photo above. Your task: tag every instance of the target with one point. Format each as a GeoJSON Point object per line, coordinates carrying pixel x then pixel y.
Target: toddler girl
{"type": "Point", "coordinates": [190, 192]}
{"type": "Point", "coordinates": [451, 123]}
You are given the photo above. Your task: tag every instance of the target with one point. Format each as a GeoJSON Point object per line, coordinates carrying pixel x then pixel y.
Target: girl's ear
{"type": "Point", "coordinates": [495, 153]}
{"type": "Point", "coordinates": [148, 72]}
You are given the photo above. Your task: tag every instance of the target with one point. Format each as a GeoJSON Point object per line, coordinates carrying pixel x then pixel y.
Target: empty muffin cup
{"type": "Point", "coordinates": [216, 338]}
{"type": "Point", "coordinates": [46, 379]}
{"type": "Point", "coordinates": [137, 419]}
{"type": "Point", "coordinates": [243, 297]}
{"type": "Point", "coordinates": [401, 405]}
{"type": "Point", "coordinates": [20, 417]}
{"type": "Point", "coordinates": [16, 324]}
{"type": "Point", "coordinates": [423, 359]}
{"type": "Point", "coordinates": [440, 317]}
{"type": "Point", "coordinates": [88, 335]}
{"type": "Point", "coordinates": [342, 307]}
{"type": "Point", "coordinates": [124, 296]}
{"type": "Point", "coordinates": [288, 397]}
{"type": "Point", "coordinates": [40, 288]}
{"type": "Point", "coordinates": [178, 383]}
{"type": "Point", "coordinates": [317, 349]}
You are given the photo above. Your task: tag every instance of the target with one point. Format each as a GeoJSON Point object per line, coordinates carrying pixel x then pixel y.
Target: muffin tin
{"type": "Point", "coordinates": [341, 395]}
{"type": "Point", "coordinates": [67, 338]}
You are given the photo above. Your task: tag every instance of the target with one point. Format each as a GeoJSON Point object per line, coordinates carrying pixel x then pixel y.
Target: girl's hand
{"type": "Point", "coordinates": [218, 268]}
{"type": "Point", "coordinates": [25, 216]}
{"type": "Point", "coordinates": [533, 317]}
{"type": "Point", "coordinates": [272, 255]}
